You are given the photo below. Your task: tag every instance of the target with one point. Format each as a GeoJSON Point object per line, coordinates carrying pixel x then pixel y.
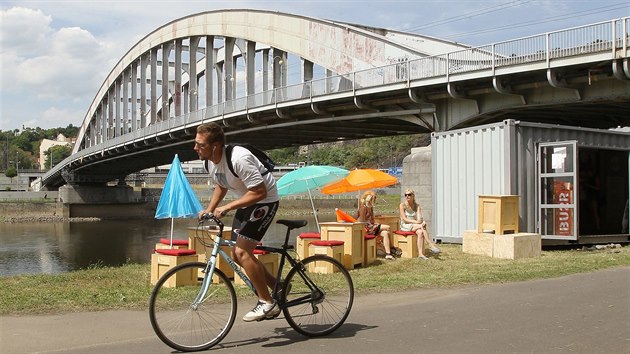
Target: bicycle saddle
{"type": "Point", "coordinates": [292, 224]}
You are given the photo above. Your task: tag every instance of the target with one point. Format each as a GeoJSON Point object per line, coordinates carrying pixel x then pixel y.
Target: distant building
{"type": "Point", "coordinates": [47, 144]}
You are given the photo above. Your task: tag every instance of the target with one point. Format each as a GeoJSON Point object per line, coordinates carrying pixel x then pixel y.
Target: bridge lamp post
{"type": "Point", "coordinates": [17, 171]}
{"type": "Point", "coordinates": [229, 87]}
{"type": "Point", "coordinates": [279, 76]}
{"type": "Point", "coordinates": [7, 153]}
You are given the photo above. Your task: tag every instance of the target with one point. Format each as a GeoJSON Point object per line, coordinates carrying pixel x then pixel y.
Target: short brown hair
{"type": "Point", "coordinates": [212, 132]}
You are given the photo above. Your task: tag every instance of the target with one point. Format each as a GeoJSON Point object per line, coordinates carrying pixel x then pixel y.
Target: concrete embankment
{"type": "Point", "coordinates": [51, 211]}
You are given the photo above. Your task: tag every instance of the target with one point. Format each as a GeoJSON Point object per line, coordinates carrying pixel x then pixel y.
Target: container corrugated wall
{"type": "Point", "coordinates": [496, 159]}
{"type": "Point", "coordinates": [467, 163]}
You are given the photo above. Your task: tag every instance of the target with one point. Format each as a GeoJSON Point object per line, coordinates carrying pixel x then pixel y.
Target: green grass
{"type": "Point", "coordinates": [127, 287]}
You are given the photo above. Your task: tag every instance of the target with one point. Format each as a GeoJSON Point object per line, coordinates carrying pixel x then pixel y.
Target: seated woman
{"type": "Point", "coordinates": [366, 214]}
{"type": "Point", "coordinates": [411, 219]}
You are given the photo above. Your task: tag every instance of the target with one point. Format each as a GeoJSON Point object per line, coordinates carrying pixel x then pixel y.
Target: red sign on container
{"type": "Point", "coordinates": [563, 194]}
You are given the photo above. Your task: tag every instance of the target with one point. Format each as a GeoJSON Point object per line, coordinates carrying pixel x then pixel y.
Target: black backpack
{"type": "Point", "coordinates": [260, 155]}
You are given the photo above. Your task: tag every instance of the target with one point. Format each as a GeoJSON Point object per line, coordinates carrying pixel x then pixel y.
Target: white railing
{"type": "Point", "coordinates": [589, 39]}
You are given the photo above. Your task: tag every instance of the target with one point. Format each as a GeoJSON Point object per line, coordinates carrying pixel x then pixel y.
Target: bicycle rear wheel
{"type": "Point", "coordinates": [180, 324]}
{"type": "Point", "coordinates": [316, 304]}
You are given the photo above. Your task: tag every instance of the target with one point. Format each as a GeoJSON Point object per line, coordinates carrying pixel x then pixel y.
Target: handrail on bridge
{"type": "Point", "coordinates": [607, 36]}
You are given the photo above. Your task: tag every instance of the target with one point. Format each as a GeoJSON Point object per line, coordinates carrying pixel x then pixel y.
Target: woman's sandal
{"type": "Point", "coordinates": [389, 256]}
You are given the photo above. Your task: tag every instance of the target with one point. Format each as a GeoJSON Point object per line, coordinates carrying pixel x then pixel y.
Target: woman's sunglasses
{"type": "Point", "coordinates": [408, 195]}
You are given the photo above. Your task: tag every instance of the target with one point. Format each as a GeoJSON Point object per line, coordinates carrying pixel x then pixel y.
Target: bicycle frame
{"type": "Point", "coordinates": [285, 256]}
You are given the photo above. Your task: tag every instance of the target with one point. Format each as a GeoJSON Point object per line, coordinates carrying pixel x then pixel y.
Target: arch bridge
{"type": "Point", "coordinates": [277, 80]}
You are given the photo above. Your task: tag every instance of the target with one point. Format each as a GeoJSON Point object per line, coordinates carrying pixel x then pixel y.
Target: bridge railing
{"type": "Point", "coordinates": [595, 38]}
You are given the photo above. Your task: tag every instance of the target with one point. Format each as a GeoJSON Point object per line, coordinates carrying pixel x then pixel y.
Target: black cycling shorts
{"type": "Point", "coordinates": [253, 221]}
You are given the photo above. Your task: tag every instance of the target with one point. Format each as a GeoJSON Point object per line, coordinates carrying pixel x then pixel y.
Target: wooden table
{"type": "Point", "coordinates": [352, 234]}
{"type": "Point", "coordinates": [392, 220]}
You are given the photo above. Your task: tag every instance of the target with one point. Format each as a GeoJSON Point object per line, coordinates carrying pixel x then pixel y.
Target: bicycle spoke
{"type": "Point", "coordinates": [184, 327]}
{"type": "Point", "coordinates": [318, 304]}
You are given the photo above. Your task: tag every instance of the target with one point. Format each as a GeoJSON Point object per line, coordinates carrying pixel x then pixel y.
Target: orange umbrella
{"type": "Point", "coordinates": [360, 179]}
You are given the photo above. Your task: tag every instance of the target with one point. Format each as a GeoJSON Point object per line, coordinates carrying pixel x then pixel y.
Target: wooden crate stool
{"type": "Point", "coordinates": [352, 236]}
{"type": "Point", "coordinates": [331, 248]}
{"type": "Point", "coordinates": [498, 214]}
{"type": "Point", "coordinates": [270, 261]}
{"type": "Point", "coordinates": [302, 242]}
{"type": "Point", "coordinates": [407, 241]}
{"type": "Point", "coordinates": [369, 251]}
{"type": "Point", "coordinates": [164, 259]}
{"type": "Point", "coordinates": [165, 243]}
{"type": "Point", "coordinates": [207, 235]}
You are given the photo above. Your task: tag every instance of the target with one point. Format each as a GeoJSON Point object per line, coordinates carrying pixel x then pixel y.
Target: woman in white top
{"type": "Point", "coordinates": [411, 219]}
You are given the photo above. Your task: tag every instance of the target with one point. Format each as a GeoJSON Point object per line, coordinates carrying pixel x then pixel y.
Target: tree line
{"type": "Point", "coordinates": [382, 152]}
{"type": "Point", "coordinates": [20, 148]}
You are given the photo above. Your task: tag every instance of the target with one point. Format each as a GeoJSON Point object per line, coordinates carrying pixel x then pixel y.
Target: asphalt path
{"type": "Point", "coordinates": [581, 313]}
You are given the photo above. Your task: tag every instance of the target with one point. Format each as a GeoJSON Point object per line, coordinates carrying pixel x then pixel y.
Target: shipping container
{"type": "Point", "coordinates": [572, 182]}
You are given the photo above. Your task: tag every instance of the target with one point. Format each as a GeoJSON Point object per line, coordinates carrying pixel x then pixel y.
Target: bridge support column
{"type": "Point", "coordinates": [76, 194]}
{"type": "Point", "coordinates": [99, 201]}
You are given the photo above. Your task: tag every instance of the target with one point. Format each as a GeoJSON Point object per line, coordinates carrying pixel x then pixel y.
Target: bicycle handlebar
{"type": "Point", "coordinates": [207, 216]}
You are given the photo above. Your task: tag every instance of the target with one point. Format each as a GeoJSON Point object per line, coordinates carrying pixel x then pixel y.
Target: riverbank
{"type": "Point", "coordinates": [46, 211]}
{"type": "Point", "coordinates": [128, 287]}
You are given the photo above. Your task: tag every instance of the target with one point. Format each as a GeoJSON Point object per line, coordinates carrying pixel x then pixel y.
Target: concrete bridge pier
{"type": "Point", "coordinates": [103, 202]}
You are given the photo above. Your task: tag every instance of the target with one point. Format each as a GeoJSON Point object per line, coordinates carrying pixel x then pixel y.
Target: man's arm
{"type": "Point", "coordinates": [252, 196]}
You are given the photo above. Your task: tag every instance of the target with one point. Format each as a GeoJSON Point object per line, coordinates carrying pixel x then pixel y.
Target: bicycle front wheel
{"type": "Point", "coordinates": [186, 325]}
{"type": "Point", "coordinates": [318, 297]}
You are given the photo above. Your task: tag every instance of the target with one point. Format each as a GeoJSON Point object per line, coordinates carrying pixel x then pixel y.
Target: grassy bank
{"type": "Point", "coordinates": [128, 287]}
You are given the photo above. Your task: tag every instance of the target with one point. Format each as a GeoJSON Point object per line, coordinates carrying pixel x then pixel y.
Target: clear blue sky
{"type": "Point", "coordinates": [54, 54]}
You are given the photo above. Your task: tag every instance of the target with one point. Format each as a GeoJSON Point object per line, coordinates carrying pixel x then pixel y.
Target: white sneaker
{"type": "Point", "coordinates": [262, 311]}
{"type": "Point", "coordinates": [435, 250]}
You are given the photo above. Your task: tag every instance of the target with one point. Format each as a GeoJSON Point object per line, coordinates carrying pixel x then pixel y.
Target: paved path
{"type": "Point", "coordinates": [583, 313]}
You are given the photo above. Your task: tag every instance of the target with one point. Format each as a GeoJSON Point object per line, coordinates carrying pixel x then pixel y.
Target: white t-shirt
{"type": "Point", "coordinates": [249, 170]}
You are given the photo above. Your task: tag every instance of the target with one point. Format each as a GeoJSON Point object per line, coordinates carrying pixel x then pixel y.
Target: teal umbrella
{"type": "Point", "coordinates": [178, 200]}
{"type": "Point", "coordinates": [304, 179]}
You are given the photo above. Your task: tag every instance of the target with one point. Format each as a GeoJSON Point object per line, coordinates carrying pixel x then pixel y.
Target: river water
{"type": "Point", "coordinates": [51, 248]}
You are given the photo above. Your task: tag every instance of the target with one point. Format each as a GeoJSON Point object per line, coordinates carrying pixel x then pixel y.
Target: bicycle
{"type": "Point", "coordinates": [199, 315]}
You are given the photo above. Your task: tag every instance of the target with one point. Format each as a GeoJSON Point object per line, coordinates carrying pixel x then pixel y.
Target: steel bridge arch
{"type": "Point", "coordinates": [335, 46]}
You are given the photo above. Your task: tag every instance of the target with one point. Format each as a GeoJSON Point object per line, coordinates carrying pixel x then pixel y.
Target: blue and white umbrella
{"type": "Point", "coordinates": [178, 200]}
{"type": "Point", "coordinates": [304, 179]}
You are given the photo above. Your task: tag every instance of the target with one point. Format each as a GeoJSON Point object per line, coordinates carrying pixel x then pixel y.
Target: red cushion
{"type": "Point", "coordinates": [174, 252]}
{"type": "Point", "coordinates": [369, 237]}
{"type": "Point", "coordinates": [404, 233]}
{"type": "Point", "coordinates": [259, 251]}
{"type": "Point", "coordinates": [327, 243]}
{"type": "Point", "coordinates": [310, 235]}
{"type": "Point", "coordinates": [167, 241]}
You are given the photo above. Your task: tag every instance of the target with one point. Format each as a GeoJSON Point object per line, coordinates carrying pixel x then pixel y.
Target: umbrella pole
{"type": "Point", "coordinates": [172, 222]}
{"type": "Point", "coordinates": [314, 211]}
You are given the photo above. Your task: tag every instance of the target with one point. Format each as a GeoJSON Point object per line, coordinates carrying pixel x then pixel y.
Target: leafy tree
{"type": "Point", "coordinates": [11, 172]}
{"type": "Point", "coordinates": [284, 156]}
{"type": "Point", "coordinates": [55, 154]}
{"type": "Point", "coordinates": [23, 142]}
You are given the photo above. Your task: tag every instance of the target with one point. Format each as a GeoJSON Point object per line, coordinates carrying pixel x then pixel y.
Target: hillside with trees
{"type": "Point", "coordinates": [22, 146]}
{"type": "Point", "coordinates": [381, 152]}
{"type": "Point", "coordinates": [384, 152]}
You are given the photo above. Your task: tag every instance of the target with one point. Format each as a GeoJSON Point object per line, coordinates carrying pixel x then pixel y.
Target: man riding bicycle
{"type": "Point", "coordinates": [255, 207]}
